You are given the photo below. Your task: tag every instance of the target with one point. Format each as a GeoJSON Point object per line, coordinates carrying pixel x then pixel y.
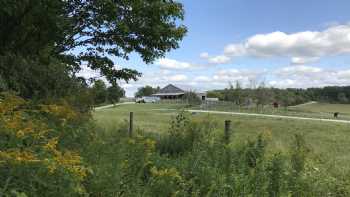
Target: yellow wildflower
{"type": "Point", "coordinates": [51, 144]}
{"type": "Point", "coordinates": [18, 156]}
{"type": "Point", "coordinates": [20, 134]}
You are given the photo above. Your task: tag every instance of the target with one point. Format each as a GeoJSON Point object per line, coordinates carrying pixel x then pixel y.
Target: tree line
{"type": "Point", "coordinates": [263, 95]}
{"type": "Point", "coordinates": [146, 91]}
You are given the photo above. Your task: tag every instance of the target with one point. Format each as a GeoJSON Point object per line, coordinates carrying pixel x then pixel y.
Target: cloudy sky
{"type": "Point", "coordinates": [289, 43]}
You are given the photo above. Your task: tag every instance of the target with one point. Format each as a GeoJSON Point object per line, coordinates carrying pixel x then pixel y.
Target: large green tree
{"type": "Point", "coordinates": [37, 36]}
{"type": "Point", "coordinates": [114, 93]}
{"type": "Point", "coordinates": [146, 91]}
{"type": "Point", "coordinates": [99, 92]}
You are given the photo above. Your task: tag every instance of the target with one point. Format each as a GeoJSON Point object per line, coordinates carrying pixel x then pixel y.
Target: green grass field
{"type": "Point", "coordinates": [331, 140]}
{"type": "Point", "coordinates": [314, 110]}
{"type": "Point", "coordinates": [324, 108]}
{"type": "Point", "coordinates": [149, 117]}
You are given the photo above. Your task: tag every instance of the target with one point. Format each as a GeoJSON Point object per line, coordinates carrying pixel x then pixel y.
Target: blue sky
{"type": "Point", "coordinates": [281, 43]}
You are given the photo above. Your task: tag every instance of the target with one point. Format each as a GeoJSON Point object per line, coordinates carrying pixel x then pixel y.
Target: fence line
{"type": "Point", "coordinates": [228, 106]}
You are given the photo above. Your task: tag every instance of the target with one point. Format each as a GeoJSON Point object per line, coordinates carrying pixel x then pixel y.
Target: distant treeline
{"type": "Point", "coordinates": [286, 97]}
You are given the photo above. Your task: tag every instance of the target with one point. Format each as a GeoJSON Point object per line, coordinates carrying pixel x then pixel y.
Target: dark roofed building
{"type": "Point", "coordinates": [170, 92]}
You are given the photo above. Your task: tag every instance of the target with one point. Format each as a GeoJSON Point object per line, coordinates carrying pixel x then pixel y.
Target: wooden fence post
{"type": "Point", "coordinates": [227, 150]}
{"type": "Point", "coordinates": [131, 122]}
{"type": "Point", "coordinates": [227, 133]}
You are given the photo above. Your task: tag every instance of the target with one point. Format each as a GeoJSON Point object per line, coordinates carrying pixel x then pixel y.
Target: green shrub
{"type": "Point", "coordinates": [177, 141]}
{"type": "Point", "coordinates": [184, 134]}
{"type": "Point", "coordinates": [276, 175]}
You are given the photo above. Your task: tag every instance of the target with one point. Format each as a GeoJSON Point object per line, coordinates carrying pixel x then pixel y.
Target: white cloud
{"type": "Point", "coordinates": [202, 79]}
{"type": "Point", "coordinates": [301, 70]}
{"type": "Point", "coordinates": [177, 78]}
{"type": "Point", "coordinates": [302, 47]}
{"type": "Point", "coordinates": [303, 60]}
{"type": "Point", "coordinates": [233, 50]}
{"type": "Point", "coordinates": [282, 83]}
{"type": "Point", "coordinates": [220, 59]}
{"type": "Point", "coordinates": [344, 74]}
{"type": "Point", "coordinates": [166, 63]}
{"type": "Point", "coordinates": [204, 55]}
{"type": "Point", "coordinates": [127, 85]}
{"type": "Point", "coordinates": [300, 76]}
{"type": "Point", "coordinates": [309, 76]}
{"type": "Point", "coordinates": [230, 75]}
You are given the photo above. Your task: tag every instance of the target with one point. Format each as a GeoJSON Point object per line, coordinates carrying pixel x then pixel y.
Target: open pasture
{"type": "Point", "coordinates": [308, 110]}
{"type": "Point", "coordinates": [323, 108]}
{"type": "Point", "coordinates": [331, 140]}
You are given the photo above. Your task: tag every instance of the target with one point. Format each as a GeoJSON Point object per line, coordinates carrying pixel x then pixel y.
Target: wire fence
{"type": "Point", "coordinates": [228, 106]}
{"type": "Point", "coordinates": [220, 106]}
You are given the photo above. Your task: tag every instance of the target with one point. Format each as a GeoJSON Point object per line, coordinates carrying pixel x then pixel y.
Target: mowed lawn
{"type": "Point", "coordinates": [148, 117]}
{"type": "Point", "coordinates": [329, 140]}
{"type": "Point", "coordinates": [324, 109]}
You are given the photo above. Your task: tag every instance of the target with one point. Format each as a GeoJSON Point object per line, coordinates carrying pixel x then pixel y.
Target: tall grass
{"type": "Point", "coordinates": [191, 159]}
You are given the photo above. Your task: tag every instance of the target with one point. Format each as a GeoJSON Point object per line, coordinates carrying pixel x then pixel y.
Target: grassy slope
{"type": "Point", "coordinates": [315, 110]}
{"type": "Point", "coordinates": [146, 116]}
{"type": "Point", "coordinates": [324, 109]}
{"type": "Point", "coordinates": [332, 140]}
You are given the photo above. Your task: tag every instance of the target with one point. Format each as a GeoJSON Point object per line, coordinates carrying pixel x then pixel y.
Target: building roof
{"type": "Point", "coordinates": [168, 94]}
{"type": "Point", "coordinates": [170, 90]}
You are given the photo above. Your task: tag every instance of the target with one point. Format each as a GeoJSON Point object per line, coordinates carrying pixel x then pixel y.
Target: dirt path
{"type": "Point", "coordinates": [271, 116]}
{"type": "Point", "coordinates": [308, 103]}
{"type": "Point", "coordinates": [112, 105]}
